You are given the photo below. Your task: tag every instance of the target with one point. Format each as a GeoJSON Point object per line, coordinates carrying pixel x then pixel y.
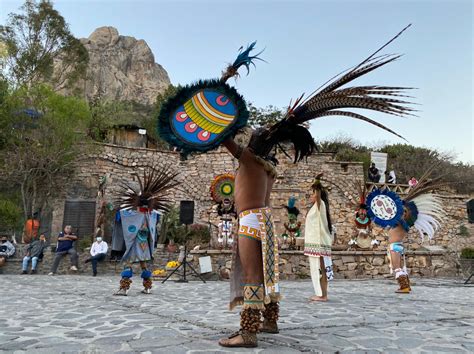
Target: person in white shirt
{"type": "Point", "coordinates": [98, 253]}
{"type": "Point", "coordinates": [390, 177]}
{"type": "Point", "coordinates": [393, 178]}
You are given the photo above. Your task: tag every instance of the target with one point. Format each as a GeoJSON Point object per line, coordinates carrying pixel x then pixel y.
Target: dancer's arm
{"type": "Point", "coordinates": [238, 151]}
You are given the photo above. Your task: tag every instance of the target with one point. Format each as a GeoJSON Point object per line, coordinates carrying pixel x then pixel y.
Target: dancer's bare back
{"type": "Point", "coordinates": [253, 185]}
{"type": "Point", "coordinates": [396, 234]}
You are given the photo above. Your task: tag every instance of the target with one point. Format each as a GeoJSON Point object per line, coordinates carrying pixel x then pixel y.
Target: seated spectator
{"type": "Point", "coordinates": [7, 249]}
{"type": "Point", "coordinates": [34, 252]}
{"type": "Point", "coordinates": [374, 174]}
{"type": "Point", "coordinates": [65, 246]}
{"type": "Point", "coordinates": [390, 177]}
{"type": "Point", "coordinates": [98, 253]}
{"type": "Point", "coordinates": [412, 182]}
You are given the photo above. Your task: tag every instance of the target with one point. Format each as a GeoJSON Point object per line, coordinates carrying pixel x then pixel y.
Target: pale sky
{"type": "Point", "coordinates": [306, 43]}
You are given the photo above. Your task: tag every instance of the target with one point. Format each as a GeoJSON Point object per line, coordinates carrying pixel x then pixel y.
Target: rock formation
{"type": "Point", "coordinates": [122, 68]}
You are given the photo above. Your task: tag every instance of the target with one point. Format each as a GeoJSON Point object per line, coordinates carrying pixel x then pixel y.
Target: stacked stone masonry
{"type": "Point", "coordinates": [196, 173]}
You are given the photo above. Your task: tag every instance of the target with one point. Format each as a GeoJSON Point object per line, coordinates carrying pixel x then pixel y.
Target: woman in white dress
{"type": "Point", "coordinates": [318, 240]}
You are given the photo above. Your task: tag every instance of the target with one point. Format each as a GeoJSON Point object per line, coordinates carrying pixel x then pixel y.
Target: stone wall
{"type": "Point", "coordinates": [293, 264]}
{"type": "Point", "coordinates": [13, 265]}
{"type": "Point", "coordinates": [196, 173]}
{"type": "Point", "coordinates": [347, 264]}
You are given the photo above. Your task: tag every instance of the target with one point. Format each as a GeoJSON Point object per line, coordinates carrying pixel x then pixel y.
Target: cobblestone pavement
{"type": "Point", "coordinates": [79, 314]}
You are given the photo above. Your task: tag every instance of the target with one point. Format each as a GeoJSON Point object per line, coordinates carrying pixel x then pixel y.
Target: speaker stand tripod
{"type": "Point", "coordinates": [184, 264]}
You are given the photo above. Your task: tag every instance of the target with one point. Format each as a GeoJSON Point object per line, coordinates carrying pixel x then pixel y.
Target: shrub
{"type": "Point", "coordinates": [467, 253]}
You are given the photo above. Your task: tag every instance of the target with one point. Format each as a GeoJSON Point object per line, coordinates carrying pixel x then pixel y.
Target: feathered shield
{"type": "Point", "coordinates": [203, 115]}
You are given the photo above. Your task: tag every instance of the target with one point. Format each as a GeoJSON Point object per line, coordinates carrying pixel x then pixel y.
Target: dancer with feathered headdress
{"type": "Point", "coordinates": [209, 113]}
{"type": "Point", "coordinates": [139, 209]}
{"type": "Point", "coordinates": [420, 209]}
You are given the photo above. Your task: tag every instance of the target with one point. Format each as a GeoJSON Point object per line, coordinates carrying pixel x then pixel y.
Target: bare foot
{"type": "Point", "coordinates": [318, 298]}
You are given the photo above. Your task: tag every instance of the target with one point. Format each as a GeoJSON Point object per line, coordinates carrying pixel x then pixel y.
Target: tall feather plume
{"type": "Point", "coordinates": [153, 191]}
{"type": "Point", "coordinates": [430, 212]}
{"type": "Point", "coordinates": [331, 99]}
{"type": "Point", "coordinates": [429, 206]}
{"type": "Point", "coordinates": [243, 59]}
{"type": "Point", "coordinates": [362, 191]}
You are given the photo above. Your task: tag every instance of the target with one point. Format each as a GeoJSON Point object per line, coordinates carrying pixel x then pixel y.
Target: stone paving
{"type": "Point", "coordinates": [70, 314]}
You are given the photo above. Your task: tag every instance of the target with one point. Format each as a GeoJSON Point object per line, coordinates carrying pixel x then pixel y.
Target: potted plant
{"type": "Point", "coordinates": [169, 228]}
{"type": "Point", "coordinates": [172, 247]}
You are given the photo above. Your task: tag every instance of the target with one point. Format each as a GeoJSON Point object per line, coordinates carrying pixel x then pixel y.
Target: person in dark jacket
{"type": "Point", "coordinates": [65, 246]}
{"type": "Point", "coordinates": [34, 252]}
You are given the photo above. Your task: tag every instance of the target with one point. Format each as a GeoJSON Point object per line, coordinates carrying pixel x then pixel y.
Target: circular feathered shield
{"type": "Point", "coordinates": [385, 207]}
{"type": "Point", "coordinates": [201, 116]}
{"type": "Point", "coordinates": [222, 187]}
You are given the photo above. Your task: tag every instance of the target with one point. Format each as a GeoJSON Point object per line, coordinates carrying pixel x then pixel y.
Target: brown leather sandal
{"type": "Point", "coordinates": [249, 340]}
{"type": "Point", "coordinates": [269, 327]}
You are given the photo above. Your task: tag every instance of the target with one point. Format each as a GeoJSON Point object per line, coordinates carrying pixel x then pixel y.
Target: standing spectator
{"type": "Point", "coordinates": [34, 252]}
{"type": "Point", "coordinates": [98, 252]}
{"type": "Point", "coordinates": [412, 182]}
{"type": "Point", "coordinates": [65, 246]}
{"type": "Point", "coordinates": [7, 249]}
{"type": "Point", "coordinates": [32, 226]}
{"type": "Point", "coordinates": [374, 175]}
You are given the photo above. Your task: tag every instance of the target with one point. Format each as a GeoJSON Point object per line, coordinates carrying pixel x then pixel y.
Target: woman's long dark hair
{"type": "Point", "coordinates": [324, 198]}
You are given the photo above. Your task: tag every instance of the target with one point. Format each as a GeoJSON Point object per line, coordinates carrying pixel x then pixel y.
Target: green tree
{"type": "Point", "coordinates": [151, 124]}
{"type": "Point", "coordinates": [346, 149]}
{"type": "Point", "coordinates": [105, 114]}
{"type": "Point", "coordinates": [10, 216]}
{"type": "Point", "coordinates": [261, 117]}
{"type": "Point", "coordinates": [44, 138]}
{"type": "Point", "coordinates": [40, 47]}
{"type": "Point", "coordinates": [412, 161]}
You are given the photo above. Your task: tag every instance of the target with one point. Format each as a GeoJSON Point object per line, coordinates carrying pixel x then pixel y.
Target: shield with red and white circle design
{"type": "Point", "coordinates": [201, 116]}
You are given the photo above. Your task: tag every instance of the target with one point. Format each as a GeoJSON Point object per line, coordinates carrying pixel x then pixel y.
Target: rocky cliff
{"type": "Point", "coordinates": [122, 68]}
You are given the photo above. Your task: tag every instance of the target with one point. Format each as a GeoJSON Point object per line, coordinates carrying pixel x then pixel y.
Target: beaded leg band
{"type": "Point", "coordinates": [271, 312]}
{"type": "Point", "coordinates": [147, 283]}
{"type": "Point", "coordinates": [404, 284]}
{"type": "Point", "coordinates": [270, 318]}
{"type": "Point", "coordinates": [250, 320]}
{"type": "Point", "coordinates": [124, 286]}
{"type": "Point", "coordinates": [125, 283]}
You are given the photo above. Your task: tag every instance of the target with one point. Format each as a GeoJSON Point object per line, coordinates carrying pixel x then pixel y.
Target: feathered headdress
{"type": "Point", "coordinates": [243, 59]}
{"type": "Point", "coordinates": [316, 185]}
{"type": "Point", "coordinates": [419, 208]}
{"type": "Point", "coordinates": [424, 210]}
{"type": "Point", "coordinates": [291, 208]}
{"type": "Point", "coordinates": [332, 99]}
{"type": "Point", "coordinates": [362, 206]}
{"type": "Point", "coordinates": [153, 192]}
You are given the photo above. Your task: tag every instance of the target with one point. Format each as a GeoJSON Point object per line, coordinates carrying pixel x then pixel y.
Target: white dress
{"type": "Point", "coordinates": [317, 243]}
